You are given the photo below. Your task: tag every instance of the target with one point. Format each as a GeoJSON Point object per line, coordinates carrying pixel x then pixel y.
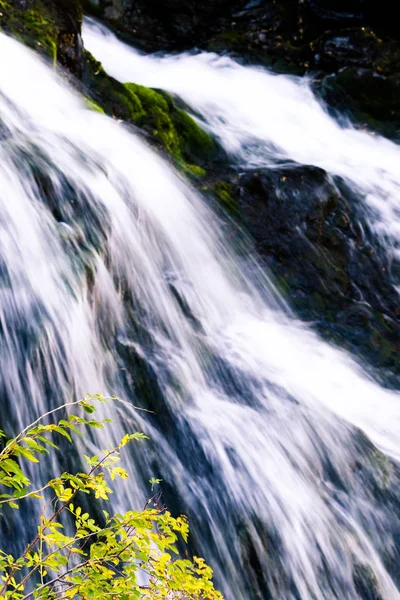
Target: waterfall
{"type": "Point", "coordinates": [116, 278]}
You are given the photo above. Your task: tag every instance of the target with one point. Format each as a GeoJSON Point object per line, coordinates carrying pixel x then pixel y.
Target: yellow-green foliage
{"type": "Point", "coordinates": [92, 559]}
{"type": "Point", "coordinates": [33, 26]}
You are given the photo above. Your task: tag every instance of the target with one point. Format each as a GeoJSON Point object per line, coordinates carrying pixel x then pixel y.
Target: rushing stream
{"type": "Point", "coordinates": [115, 278]}
{"type": "Point", "coordinates": [259, 117]}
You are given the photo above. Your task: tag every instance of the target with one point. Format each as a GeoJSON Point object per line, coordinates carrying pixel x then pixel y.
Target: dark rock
{"type": "Point", "coordinates": [70, 49]}
{"type": "Point", "coordinates": [180, 18]}
{"type": "Point", "coordinates": [366, 583]}
{"type": "Point", "coordinates": [312, 232]}
{"type": "Point", "coordinates": [370, 99]}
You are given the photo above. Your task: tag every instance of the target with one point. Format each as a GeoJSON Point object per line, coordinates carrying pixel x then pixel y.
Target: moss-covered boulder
{"type": "Point", "coordinates": [52, 27]}
{"type": "Point", "coordinates": [108, 93]}
{"type": "Point", "coordinates": [154, 111]}
{"type": "Point", "coordinates": [225, 193]}
{"type": "Point", "coordinates": [172, 126]}
{"type": "Point", "coordinates": [369, 98]}
{"type": "Point", "coordinates": [32, 23]}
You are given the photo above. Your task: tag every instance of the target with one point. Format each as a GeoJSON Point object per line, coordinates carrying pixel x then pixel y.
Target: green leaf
{"type": "Point", "coordinates": [62, 431]}
{"type": "Point", "coordinates": [28, 454]}
{"type": "Point", "coordinates": [89, 408]}
{"type": "Point", "coordinates": [154, 482]}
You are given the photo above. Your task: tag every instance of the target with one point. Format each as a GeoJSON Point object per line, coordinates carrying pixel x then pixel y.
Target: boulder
{"type": "Point", "coordinates": [313, 234]}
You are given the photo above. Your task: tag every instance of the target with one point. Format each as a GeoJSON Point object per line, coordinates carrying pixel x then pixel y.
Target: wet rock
{"type": "Point", "coordinates": [370, 99]}
{"type": "Point", "coordinates": [181, 18]}
{"type": "Point", "coordinates": [155, 112]}
{"type": "Point", "coordinates": [366, 583]}
{"type": "Point", "coordinates": [312, 233]}
{"type": "Point", "coordinates": [50, 27]}
{"type": "Point", "coordinates": [154, 24]}
{"type": "Point", "coordinates": [70, 48]}
{"type": "Point", "coordinates": [304, 224]}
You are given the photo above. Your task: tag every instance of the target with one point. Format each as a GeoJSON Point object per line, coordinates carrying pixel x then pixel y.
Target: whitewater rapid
{"type": "Point", "coordinates": [116, 278]}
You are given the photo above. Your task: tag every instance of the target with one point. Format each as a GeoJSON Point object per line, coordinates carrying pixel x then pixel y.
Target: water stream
{"type": "Point", "coordinates": [260, 117]}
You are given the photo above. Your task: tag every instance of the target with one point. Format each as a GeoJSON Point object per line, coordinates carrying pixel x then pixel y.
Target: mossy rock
{"type": "Point", "coordinates": [172, 126]}
{"type": "Point", "coordinates": [51, 27]}
{"type": "Point", "coordinates": [33, 25]}
{"type": "Point", "coordinates": [193, 171]}
{"type": "Point", "coordinates": [224, 192]}
{"type": "Point", "coordinates": [155, 112]}
{"type": "Point", "coordinates": [108, 93]}
{"type": "Point", "coordinates": [91, 105]}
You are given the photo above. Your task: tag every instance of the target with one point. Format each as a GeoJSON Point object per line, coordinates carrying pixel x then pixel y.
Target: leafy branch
{"type": "Point", "coordinates": [87, 558]}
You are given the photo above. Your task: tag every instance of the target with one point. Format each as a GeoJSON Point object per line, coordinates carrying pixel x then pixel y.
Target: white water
{"type": "Point", "coordinates": [259, 116]}
{"type": "Point", "coordinates": [256, 430]}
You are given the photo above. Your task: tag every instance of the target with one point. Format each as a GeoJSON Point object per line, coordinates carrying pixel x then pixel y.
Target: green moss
{"type": "Point", "coordinates": [195, 143]}
{"type": "Point", "coordinates": [223, 191]}
{"type": "Point", "coordinates": [108, 93]}
{"type": "Point", "coordinates": [150, 99]}
{"type": "Point", "coordinates": [154, 111]}
{"type": "Point", "coordinates": [194, 171]}
{"type": "Point", "coordinates": [93, 105]}
{"type": "Point", "coordinates": [154, 114]}
{"type": "Point", "coordinates": [171, 126]}
{"type": "Point", "coordinates": [33, 26]}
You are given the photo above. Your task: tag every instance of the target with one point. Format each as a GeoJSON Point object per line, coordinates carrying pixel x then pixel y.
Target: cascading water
{"type": "Point", "coordinates": [115, 280]}
{"type": "Point", "coordinates": [260, 117]}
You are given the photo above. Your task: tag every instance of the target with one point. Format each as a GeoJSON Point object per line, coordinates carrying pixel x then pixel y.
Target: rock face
{"type": "Point", "coordinates": [53, 27]}
{"type": "Point", "coordinates": [184, 18]}
{"type": "Point", "coordinates": [68, 15]}
{"type": "Point", "coordinates": [192, 21]}
{"type": "Point", "coordinates": [180, 19]}
{"type": "Point", "coordinates": [314, 238]}
{"type": "Point", "coordinates": [306, 226]}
